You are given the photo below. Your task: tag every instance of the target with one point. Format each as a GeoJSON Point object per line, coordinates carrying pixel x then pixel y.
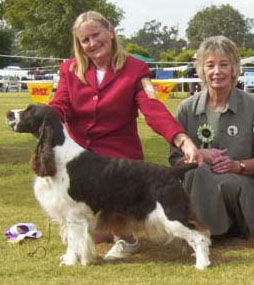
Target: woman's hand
{"type": "Point", "coordinates": [219, 160]}
{"type": "Point", "coordinates": [224, 164]}
{"type": "Point", "coordinates": [211, 155]}
{"type": "Point", "coordinates": [191, 152]}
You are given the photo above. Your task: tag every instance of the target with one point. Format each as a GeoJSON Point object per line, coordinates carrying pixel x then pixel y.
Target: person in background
{"type": "Point", "coordinates": [192, 73]}
{"type": "Point", "coordinates": [220, 121]}
{"type": "Point", "coordinates": [99, 94]}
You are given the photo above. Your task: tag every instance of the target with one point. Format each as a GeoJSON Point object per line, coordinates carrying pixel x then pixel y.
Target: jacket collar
{"type": "Point", "coordinates": [201, 105]}
{"type": "Point", "coordinates": [91, 77]}
{"type": "Point", "coordinates": [109, 77]}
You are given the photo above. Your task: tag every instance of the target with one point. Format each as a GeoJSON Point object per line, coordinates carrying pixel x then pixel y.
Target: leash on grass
{"type": "Point", "coordinates": [42, 248]}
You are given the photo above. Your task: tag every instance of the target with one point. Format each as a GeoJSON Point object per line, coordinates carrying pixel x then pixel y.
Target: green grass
{"type": "Point", "coordinates": [232, 259]}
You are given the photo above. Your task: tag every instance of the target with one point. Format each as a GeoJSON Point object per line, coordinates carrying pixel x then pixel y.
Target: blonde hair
{"type": "Point", "coordinates": [218, 45]}
{"type": "Point", "coordinates": [119, 54]}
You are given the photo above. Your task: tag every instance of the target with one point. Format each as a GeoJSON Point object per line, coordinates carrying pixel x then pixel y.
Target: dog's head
{"type": "Point", "coordinates": [31, 120]}
{"type": "Point", "coordinates": [43, 122]}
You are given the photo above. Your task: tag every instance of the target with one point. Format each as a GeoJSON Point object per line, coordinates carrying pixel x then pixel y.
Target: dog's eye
{"type": "Point", "coordinates": [30, 110]}
{"type": "Point", "coordinates": [27, 112]}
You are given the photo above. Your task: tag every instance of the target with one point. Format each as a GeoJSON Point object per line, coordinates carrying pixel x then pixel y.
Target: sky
{"type": "Point", "coordinates": [171, 13]}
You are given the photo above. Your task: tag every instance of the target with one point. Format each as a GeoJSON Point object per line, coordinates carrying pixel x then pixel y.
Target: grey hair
{"type": "Point", "coordinates": [218, 45]}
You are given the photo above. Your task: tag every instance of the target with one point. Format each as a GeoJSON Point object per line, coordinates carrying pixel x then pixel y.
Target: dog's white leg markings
{"type": "Point", "coordinates": [155, 226]}
{"type": "Point", "coordinates": [81, 247]}
{"type": "Point", "coordinates": [88, 252]}
{"type": "Point", "coordinates": [71, 255]}
{"type": "Point", "coordinates": [160, 228]}
{"type": "Point", "coordinates": [199, 242]}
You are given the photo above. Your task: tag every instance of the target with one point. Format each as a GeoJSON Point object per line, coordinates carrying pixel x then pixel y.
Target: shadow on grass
{"type": "Point", "coordinates": [228, 249]}
{"type": "Point", "coordinates": [16, 154]}
{"type": "Point", "coordinates": [224, 251]}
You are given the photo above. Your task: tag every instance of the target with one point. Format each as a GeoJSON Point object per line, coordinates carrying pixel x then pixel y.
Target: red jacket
{"type": "Point", "coordinates": [103, 118]}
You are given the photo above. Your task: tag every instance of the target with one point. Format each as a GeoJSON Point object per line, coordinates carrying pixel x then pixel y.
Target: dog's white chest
{"type": "Point", "coordinates": [52, 193]}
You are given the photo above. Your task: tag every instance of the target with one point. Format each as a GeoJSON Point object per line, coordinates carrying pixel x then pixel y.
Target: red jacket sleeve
{"type": "Point", "coordinates": [61, 99]}
{"type": "Point", "coordinates": [156, 114]}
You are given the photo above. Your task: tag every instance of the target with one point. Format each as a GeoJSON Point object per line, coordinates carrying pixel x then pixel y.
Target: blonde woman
{"type": "Point", "coordinates": [99, 94]}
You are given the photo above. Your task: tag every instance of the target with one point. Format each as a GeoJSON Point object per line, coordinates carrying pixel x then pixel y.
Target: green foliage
{"type": "Point", "coordinates": [157, 38]}
{"type": "Point", "coordinates": [46, 26]}
{"type": "Point", "coordinates": [1, 9]}
{"type": "Point", "coordinates": [182, 57]}
{"type": "Point", "coordinates": [249, 41]}
{"type": "Point", "coordinates": [168, 55]}
{"type": "Point", "coordinates": [135, 48]}
{"type": "Point", "coordinates": [218, 20]}
{"type": "Point", "coordinates": [232, 259]}
{"type": "Point", "coordinates": [246, 52]}
{"type": "Point", "coordinates": [6, 43]}
{"type": "Point", "coordinates": [185, 56]}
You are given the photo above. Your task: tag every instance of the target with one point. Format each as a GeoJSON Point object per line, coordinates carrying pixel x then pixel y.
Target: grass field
{"type": "Point", "coordinates": [232, 259]}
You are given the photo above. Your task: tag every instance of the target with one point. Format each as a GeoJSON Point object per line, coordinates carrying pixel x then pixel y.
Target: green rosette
{"type": "Point", "coordinates": [206, 135]}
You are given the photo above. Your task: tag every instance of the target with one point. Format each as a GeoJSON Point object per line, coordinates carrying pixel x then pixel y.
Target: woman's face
{"type": "Point", "coordinates": [96, 42]}
{"type": "Point", "coordinates": [218, 71]}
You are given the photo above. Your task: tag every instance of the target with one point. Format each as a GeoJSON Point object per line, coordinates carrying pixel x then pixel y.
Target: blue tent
{"type": "Point", "coordinates": [164, 74]}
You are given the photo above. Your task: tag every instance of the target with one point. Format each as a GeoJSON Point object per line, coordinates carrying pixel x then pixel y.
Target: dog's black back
{"type": "Point", "coordinates": [130, 187]}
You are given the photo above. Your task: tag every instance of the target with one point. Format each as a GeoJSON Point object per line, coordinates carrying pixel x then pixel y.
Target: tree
{"type": "Point", "coordinates": [249, 41]}
{"type": "Point", "coordinates": [6, 43]}
{"type": "Point", "coordinates": [1, 9]}
{"type": "Point", "coordinates": [245, 52]}
{"type": "Point", "coordinates": [157, 38]}
{"type": "Point", "coordinates": [221, 20]}
{"type": "Point", "coordinates": [249, 37]}
{"type": "Point", "coordinates": [46, 26]}
{"type": "Point", "coordinates": [134, 48]}
{"type": "Point", "coordinates": [168, 55]}
{"type": "Point", "coordinates": [185, 56]}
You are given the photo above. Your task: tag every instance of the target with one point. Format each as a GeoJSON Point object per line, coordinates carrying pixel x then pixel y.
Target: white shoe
{"type": "Point", "coordinates": [121, 249]}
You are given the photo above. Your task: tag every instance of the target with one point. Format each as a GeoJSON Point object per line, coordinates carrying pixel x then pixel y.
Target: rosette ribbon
{"type": "Point", "coordinates": [206, 135]}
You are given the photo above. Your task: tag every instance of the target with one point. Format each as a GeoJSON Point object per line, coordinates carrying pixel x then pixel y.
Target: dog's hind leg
{"type": "Point", "coordinates": [159, 228]}
{"type": "Point", "coordinates": [81, 247]}
{"type": "Point", "coordinates": [198, 241]}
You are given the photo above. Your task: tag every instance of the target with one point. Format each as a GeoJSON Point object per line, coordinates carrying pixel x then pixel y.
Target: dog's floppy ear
{"type": "Point", "coordinates": [44, 159]}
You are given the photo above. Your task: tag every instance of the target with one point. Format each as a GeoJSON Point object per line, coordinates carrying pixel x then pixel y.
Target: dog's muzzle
{"type": "Point", "coordinates": [12, 118]}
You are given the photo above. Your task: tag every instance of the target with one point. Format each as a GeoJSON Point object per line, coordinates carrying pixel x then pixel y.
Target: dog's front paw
{"type": "Point", "coordinates": [203, 265]}
{"type": "Point", "coordinates": [68, 259]}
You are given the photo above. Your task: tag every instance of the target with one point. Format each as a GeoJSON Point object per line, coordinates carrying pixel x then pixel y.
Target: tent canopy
{"type": "Point", "coordinates": [144, 58]}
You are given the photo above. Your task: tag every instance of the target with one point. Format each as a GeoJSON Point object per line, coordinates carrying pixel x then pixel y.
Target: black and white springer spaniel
{"type": "Point", "coordinates": [84, 191]}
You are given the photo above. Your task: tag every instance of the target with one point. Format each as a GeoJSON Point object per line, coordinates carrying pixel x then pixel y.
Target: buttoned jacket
{"type": "Point", "coordinates": [103, 117]}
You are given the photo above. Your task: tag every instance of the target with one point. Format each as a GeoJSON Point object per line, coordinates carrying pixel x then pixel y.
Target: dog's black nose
{"type": "Point", "coordinates": [10, 115]}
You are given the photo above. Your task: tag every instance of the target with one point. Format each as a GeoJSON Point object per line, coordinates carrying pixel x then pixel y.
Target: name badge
{"type": "Point", "coordinates": [232, 130]}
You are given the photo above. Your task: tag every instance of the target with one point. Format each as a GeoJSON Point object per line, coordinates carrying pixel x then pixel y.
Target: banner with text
{"type": "Point", "coordinates": [41, 92]}
{"type": "Point", "coordinates": [163, 89]}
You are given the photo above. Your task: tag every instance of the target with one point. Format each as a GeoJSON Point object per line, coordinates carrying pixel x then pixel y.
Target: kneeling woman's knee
{"type": "Point", "coordinates": [229, 188]}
